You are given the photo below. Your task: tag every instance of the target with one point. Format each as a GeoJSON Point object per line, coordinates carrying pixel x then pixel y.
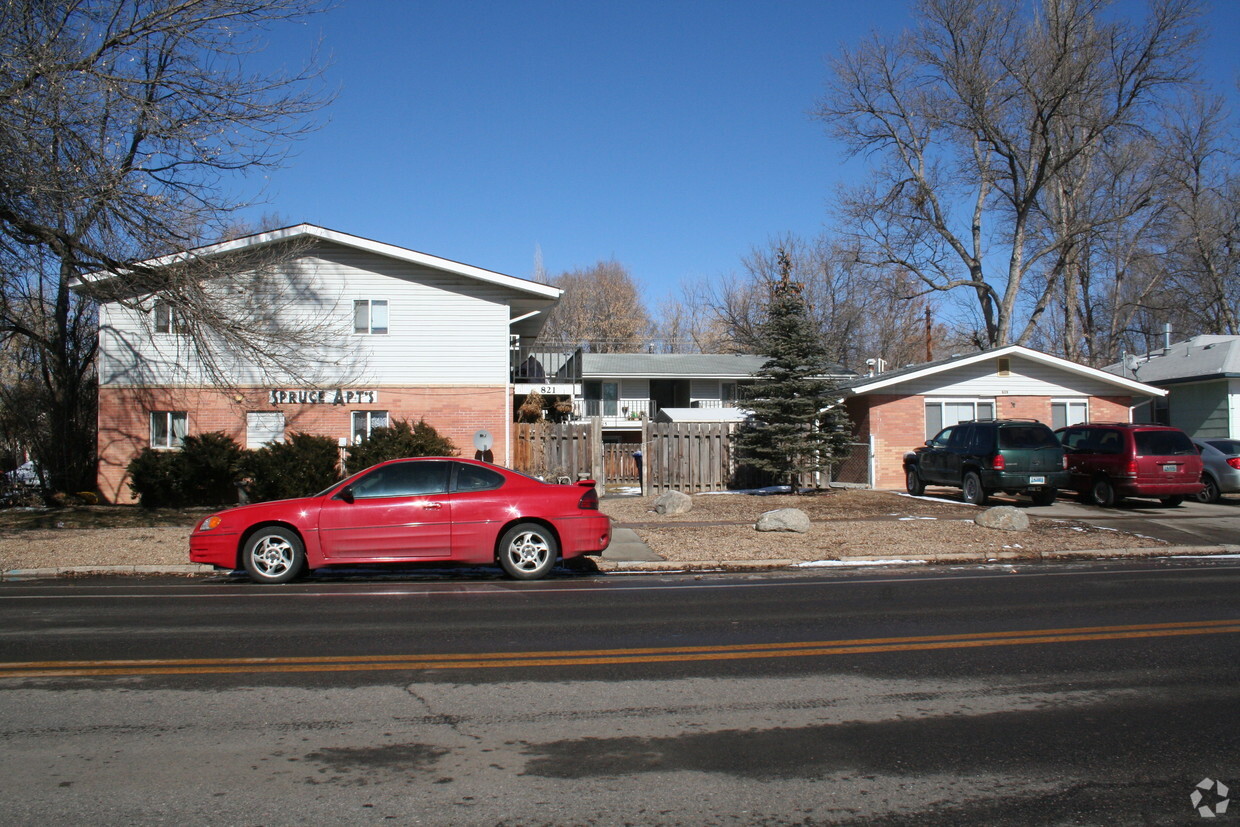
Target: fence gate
{"type": "Point", "coordinates": [687, 456]}
{"type": "Point", "coordinates": [620, 463]}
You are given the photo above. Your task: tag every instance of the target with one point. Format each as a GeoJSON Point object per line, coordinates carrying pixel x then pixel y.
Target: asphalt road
{"type": "Point", "coordinates": [1189, 524]}
{"type": "Point", "coordinates": [1051, 694]}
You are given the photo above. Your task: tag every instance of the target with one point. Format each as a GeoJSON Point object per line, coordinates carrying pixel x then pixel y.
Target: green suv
{"type": "Point", "coordinates": [1015, 456]}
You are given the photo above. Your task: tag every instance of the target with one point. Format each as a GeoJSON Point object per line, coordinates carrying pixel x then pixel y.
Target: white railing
{"type": "Point", "coordinates": [619, 412]}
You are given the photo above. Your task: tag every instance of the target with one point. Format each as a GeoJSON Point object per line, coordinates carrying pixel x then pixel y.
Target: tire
{"type": "Point", "coordinates": [528, 551]}
{"type": "Point", "coordinates": [1172, 502]}
{"type": "Point", "coordinates": [1209, 494]}
{"type": "Point", "coordinates": [1045, 497]}
{"type": "Point", "coordinates": [913, 483]}
{"type": "Point", "coordinates": [273, 555]}
{"type": "Point", "coordinates": [971, 489]}
{"type": "Point", "coordinates": [1103, 493]}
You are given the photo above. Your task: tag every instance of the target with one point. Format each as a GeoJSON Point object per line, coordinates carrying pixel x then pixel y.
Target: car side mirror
{"type": "Point", "coordinates": [345, 494]}
{"type": "Point", "coordinates": [929, 443]}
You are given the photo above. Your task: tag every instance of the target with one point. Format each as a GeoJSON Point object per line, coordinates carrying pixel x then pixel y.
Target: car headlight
{"type": "Point", "coordinates": [211, 522]}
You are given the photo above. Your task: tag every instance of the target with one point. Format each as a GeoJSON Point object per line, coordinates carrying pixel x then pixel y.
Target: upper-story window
{"type": "Point", "coordinates": [370, 316]}
{"type": "Point", "coordinates": [166, 318]}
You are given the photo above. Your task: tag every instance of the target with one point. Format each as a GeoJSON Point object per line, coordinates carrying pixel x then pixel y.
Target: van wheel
{"type": "Point", "coordinates": [972, 489]}
{"type": "Point", "coordinates": [912, 482]}
{"type": "Point", "coordinates": [1103, 493]}
{"type": "Point", "coordinates": [1172, 502]}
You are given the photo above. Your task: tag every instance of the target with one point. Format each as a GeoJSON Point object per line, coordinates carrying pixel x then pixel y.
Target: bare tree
{"type": "Point", "coordinates": [972, 117]}
{"type": "Point", "coordinates": [601, 311]}
{"type": "Point", "coordinates": [123, 125]}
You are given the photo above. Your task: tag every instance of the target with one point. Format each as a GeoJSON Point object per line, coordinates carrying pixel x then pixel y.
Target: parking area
{"type": "Point", "coordinates": [1189, 524]}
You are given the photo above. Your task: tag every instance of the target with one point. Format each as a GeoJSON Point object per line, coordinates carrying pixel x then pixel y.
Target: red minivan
{"type": "Point", "coordinates": [1108, 461]}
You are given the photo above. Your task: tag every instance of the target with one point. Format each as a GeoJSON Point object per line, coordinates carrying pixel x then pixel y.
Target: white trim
{"type": "Point", "coordinates": [356, 242]}
{"type": "Point", "coordinates": [880, 382]}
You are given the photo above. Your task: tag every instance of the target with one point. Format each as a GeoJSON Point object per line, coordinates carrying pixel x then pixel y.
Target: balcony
{"type": "Point", "coordinates": [620, 413]}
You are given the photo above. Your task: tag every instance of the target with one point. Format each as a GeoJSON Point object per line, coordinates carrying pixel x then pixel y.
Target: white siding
{"type": "Point", "coordinates": [1027, 378]}
{"type": "Point", "coordinates": [635, 390]}
{"type": "Point", "coordinates": [704, 389]}
{"type": "Point", "coordinates": [444, 329]}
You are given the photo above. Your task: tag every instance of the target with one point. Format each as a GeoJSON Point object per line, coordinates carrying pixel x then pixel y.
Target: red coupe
{"type": "Point", "coordinates": [410, 510]}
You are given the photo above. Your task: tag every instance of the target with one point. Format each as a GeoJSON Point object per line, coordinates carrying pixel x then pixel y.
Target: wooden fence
{"type": "Point", "coordinates": [687, 456]}
{"type": "Point", "coordinates": [555, 451]}
{"type": "Point", "coordinates": [620, 463]}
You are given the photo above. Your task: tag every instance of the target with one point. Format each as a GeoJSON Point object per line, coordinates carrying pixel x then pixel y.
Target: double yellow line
{"type": "Point", "coordinates": [605, 657]}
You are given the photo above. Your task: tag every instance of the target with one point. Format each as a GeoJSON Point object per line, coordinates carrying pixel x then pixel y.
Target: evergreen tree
{"type": "Point", "coordinates": [798, 425]}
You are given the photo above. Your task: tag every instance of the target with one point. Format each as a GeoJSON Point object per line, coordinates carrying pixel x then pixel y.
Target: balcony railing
{"type": "Point", "coordinates": [546, 367]}
{"type": "Point", "coordinates": [615, 412]}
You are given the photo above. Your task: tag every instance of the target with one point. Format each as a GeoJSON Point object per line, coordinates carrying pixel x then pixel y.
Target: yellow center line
{"type": "Point", "coordinates": [595, 657]}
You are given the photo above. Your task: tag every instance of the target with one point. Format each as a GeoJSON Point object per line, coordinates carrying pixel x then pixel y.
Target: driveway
{"type": "Point", "coordinates": [1189, 524]}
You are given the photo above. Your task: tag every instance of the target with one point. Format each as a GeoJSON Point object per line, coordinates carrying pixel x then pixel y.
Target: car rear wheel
{"type": "Point", "coordinates": [528, 551]}
{"type": "Point", "coordinates": [972, 489]}
{"type": "Point", "coordinates": [1209, 494]}
{"type": "Point", "coordinates": [1044, 497]}
{"type": "Point", "coordinates": [912, 482]}
{"type": "Point", "coordinates": [1172, 502]}
{"type": "Point", "coordinates": [273, 555]}
{"type": "Point", "coordinates": [1103, 493]}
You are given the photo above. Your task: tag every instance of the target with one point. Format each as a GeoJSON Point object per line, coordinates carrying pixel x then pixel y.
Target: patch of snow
{"type": "Point", "coordinates": [840, 563]}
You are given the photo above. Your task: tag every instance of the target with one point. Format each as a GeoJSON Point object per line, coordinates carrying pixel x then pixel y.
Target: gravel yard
{"type": "Point", "coordinates": [719, 527]}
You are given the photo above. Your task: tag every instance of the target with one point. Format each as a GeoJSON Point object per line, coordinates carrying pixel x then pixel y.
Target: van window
{"type": "Point", "coordinates": [1163, 444]}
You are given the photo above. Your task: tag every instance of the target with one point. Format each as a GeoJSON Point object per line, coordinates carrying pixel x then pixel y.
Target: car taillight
{"type": "Point", "coordinates": [998, 463]}
{"type": "Point", "coordinates": [1234, 462]}
{"type": "Point", "coordinates": [589, 500]}
{"type": "Point", "coordinates": [1130, 470]}
{"type": "Point", "coordinates": [1065, 462]}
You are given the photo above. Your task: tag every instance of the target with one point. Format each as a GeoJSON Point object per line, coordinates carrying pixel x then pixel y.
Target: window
{"type": "Point", "coordinates": [477, 478]}
{"type": "Point", "coordinates": [166, 319]}
{"type": "Point", "coordinates": [168, 428]}
{"type": "Point", "coordinates": [404, 479]}
{"type": "Point", "coordinates": [370, 316]}
{"type": "Point", "coordinates": [263, 427]}
{"type": "Point", "coordinates": [366, 421]}
{"type": "Point", "coordinates": [941, 413]}
{"type": "Point", "coordinates": [602, 398]}
{"type": "Point", "coordinates": [1004, 368]}
{"type": "Point", "coordinates": [1065, 412]}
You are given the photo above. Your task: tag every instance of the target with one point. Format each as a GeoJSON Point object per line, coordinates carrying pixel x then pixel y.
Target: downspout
{"type": "Point", "coordinates": [508, 389]}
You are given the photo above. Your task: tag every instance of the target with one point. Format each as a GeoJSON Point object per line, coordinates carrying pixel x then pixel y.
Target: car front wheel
{"type": "Point", "coordinates": [972, 489]}
{"type": "Point", "coordinates": [273, 555]}
{"type": "Point", "coordinates": [1209, 494]}
{"type": "Point", "coordinates": [912, 482]}
{"type": "Point", "coordinates": [1103, 493]}
{"type": "Point", "coordinates": [528, 551]}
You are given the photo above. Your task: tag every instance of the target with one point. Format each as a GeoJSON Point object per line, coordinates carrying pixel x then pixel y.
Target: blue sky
{"type": "Point", "coordinates": [673, 136]}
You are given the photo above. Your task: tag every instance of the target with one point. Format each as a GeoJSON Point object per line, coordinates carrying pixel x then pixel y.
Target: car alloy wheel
{"type": "Point", "coordinates": [528, 551]}
{"type": "Point", "coordinates": [273, 555]}
{"type": "Point", "coordinates": [1209, 494]}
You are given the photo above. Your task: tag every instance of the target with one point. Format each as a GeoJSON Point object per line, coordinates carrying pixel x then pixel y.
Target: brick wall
{"type": "Point", "coordinates": [124, 419]}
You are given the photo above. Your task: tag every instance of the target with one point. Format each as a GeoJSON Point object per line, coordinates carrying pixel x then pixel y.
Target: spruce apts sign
{"type": "Point", "coordinates": [332, 396]}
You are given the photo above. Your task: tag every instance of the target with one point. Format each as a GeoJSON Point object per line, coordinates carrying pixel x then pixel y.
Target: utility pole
{"type": "Point", "coordinates": [929, 352]}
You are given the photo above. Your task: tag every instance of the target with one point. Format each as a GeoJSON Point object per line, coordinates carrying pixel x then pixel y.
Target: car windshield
{"type": "Point", "coordinates": [1231, 447]}
{"type": "Point", "coordinates": [1163, 443]}
{"type": "Point", "coordinates": [1027, 437]}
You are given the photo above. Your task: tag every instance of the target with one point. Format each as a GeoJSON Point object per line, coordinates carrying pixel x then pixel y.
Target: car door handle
{"type": "Point", "coordinates": [432, 506]}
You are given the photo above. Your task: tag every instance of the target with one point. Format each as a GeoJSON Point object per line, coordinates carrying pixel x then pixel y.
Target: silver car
{"type": "Point", "coordinates": [1221, 458]}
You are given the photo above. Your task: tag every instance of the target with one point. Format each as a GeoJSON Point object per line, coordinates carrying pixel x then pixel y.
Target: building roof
{"type": "Point", "coordinates": [889, 379]}
{"type": "Point", "coordinates": [530, 299]}
{"type": "Point", "coordinates": [675, 365]}
{"type": "Point", "coordinates": [1200, 358]}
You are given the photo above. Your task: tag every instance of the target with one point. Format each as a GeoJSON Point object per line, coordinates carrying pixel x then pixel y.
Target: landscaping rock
{"type": "Point", "coordinates": [784, 519]}
{"type": "Point", "coordinates": [673, 502]}
{"type": "Point", "coordinates": [1004, 518]}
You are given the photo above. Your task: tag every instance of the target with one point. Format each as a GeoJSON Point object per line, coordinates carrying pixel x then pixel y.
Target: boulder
{"type": "Point", "coordinates": [673, 502]}
{"type": "Point", "coordinates": [784, 519]}
{"type": "Point", "coordinates": [1004, 518]}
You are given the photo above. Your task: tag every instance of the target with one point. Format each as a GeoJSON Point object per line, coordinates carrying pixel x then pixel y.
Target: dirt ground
{"type": "Point", "coordinates": [719, 527]}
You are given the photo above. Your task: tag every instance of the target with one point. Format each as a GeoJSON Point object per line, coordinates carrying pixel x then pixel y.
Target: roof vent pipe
{"type": "Point", "coordinates": [1167, 336]}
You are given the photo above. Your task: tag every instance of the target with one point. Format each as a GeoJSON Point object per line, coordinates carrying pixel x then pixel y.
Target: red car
{"type": "Point", "coordinates": [410, 510]}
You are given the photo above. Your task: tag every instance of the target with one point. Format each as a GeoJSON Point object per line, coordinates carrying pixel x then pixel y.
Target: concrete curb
{"type": "Point", "coordinates": [688, 566]}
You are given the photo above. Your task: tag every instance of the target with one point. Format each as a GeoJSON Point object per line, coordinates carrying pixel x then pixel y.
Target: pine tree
{"type": "Point", "coordinates": [798, 423]}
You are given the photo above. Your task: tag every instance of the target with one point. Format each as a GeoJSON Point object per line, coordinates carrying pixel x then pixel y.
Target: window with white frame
{"type": "Point", "coordinates": [370, 316]}
{"type": "Point", "coordinates": [940, 413]}
{"type": "Point", "coordinates": [1065, 412]}
{"type": "Point", "coordinates": [263, 428]}
{"type": "Point", "coordinates": [166, 318]}
{"type": "Point", "coordinates": [168, 428]}
{"type": "Point", "coordinates": [366, 421]}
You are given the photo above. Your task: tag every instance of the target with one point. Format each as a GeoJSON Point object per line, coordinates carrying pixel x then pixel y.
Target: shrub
{"type": "Point", "coordinates": [212, 468]}
{"type": "Point", "coordinates": [297, 467]}
{"type": "Point", "coordinates": [399, 440]}
{"type": "Point", "coordinates": [157, 478]}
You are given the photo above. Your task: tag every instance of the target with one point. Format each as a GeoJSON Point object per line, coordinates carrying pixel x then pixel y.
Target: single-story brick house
{"type": "Point", "coordinates": [413, 336]}
{"type": "Point", "coordinates": [898, 410]}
